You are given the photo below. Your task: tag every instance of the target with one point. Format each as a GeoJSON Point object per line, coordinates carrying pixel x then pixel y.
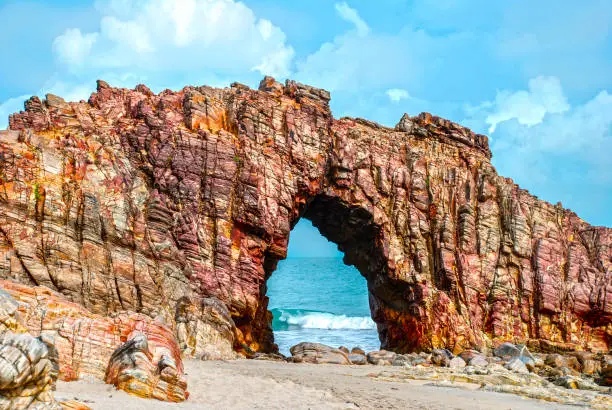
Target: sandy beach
{"type": "Point", "coordinates": [251, 384]}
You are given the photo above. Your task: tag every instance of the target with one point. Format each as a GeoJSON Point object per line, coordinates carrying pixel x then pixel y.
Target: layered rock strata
{"type": "Point", "coordinates": [28, 365]}
{"type": "Point", "coordinates": [27, 373]}
{"type": "Point", "coordinates": [87, 345]}
{"type": "Point", "coordinates": [133, 368]}
{"type": "Point", "coordinates": [155, 203]}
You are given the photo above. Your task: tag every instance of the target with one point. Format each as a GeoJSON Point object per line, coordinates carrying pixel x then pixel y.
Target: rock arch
{"type": "Point", "coordinates": [137, 201]}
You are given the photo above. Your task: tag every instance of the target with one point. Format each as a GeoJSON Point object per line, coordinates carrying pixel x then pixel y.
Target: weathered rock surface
{"type": "Point", "coordinates": [135, 369]}
{"type": "Point", "coordinates": [27, 373]}
{"type": "Point", "coordinates": [381, 357]}
{"type": "Point", "coordinates": [317, 353]}
{"type": "Point", "coordinates": [87, 344]}
{"type": "Point", "coordinates": [456, 363]}
{"type": "Point", "coordinates": [606, 374]}
{"type": "Point", "coordinates": [154, 203]}
{"type": "Point", "coordinates": [441, 357]}
{"type": "Point", "coordinates": [357, 358]}
{"type": "Point", "coordinates": [28, 365]}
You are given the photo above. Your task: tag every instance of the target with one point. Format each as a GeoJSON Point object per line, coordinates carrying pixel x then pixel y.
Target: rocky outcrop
{"type": "Point", "coordinates": [133, 368]}
{"type": "Point", "coordinates": [28, 365]}
{"type": "Point", "coordinates": [27, 373]}
{"type": "Point", "coordinates": [158, 203]}
{"type": "Point", "coordinates": [92, 346]}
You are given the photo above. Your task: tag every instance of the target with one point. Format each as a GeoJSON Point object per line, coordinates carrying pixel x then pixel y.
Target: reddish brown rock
{"type": "Point", "coordinates": [133, 368]}
{"type": "Point", "coordinates": [86, 343]}
{"type": "Point", "coordinates": [144, 202]}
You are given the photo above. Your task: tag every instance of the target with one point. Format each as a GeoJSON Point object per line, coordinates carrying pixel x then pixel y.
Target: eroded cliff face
{"type": "Point", "coordinates": [179, 206]}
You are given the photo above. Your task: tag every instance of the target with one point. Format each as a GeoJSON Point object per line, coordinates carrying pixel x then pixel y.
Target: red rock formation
{"type": "Point", "coordinates": [144, 202]}
{"type": "Point", "coordinates": [133, 368]}
{"type": "Point", "coordinates": [87, 342]}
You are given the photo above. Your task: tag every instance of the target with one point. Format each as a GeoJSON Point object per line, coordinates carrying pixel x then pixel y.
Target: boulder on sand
{"type": "Point", "coordinates": [318, 353]}
{"type": "Point", "coordinates": [147, 370]}
{"type": "Point", "coordinates": [381, 357]}
{"type": "Point", "coordinates": [441, 357]}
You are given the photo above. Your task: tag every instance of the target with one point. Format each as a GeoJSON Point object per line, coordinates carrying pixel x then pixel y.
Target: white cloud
{"type": "Point", "coordinates": [352, 16]}
{"type": "Point", "coordinates": [73, 47]}
{"type": "Point", "coordinates": [177, 37]}
{"type": "Point", "coordinates": [397, 94]}
{"type": "Point", "coordinates": [9, 107]}
{"type": "Point", "coordinates": [367, 61]}
{"type": "Point", "coordinates": [586, 130]}
{"type": "Point", "coordinates": [559, 152]}
{"type": "Point", "coordinates": [68, 91]}
{"type": "Point", "coordinates": [544, 96]}
{"type": "Point", "coordinates": [182, 15]}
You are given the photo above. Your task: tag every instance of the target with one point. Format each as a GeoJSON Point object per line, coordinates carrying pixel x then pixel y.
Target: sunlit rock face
{"type": "Point", "coordinates": [86, 345]}
{"type": "Point", "coordinates": [28, 364]}
{"type": "Point", "coordinates": [179, 206]}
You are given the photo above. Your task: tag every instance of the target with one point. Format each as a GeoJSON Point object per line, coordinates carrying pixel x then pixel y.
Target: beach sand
{"type": "Point", "coordinates": [251, 384]}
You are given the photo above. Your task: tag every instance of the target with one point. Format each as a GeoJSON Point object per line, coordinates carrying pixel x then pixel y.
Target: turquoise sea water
{"type": "Point", "coordinates": [320, 300]}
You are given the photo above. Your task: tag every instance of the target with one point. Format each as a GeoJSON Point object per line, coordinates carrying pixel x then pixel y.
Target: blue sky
{"type": "Point", "coordinates": [534, 75]}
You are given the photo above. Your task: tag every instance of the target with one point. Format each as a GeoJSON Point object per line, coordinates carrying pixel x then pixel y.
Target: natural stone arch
{"type": "Point", "coordinates": [136, 201]}
{"type": "Point", "coordinates": [353, 230]}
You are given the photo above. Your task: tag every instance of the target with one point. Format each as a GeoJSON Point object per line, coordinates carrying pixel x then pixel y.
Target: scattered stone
{"type": "Point", "coordinates": [274, 357]}
{"type": "Point", "coordinates": [573, 382]}
{"type": "Point", "coordinates": [401, 360]}
{"type": "Point", "coordinates": [318, 353]}
{"type": "Point", "coordinates": [529, 363]}
{"type": "Point", "coordinates": [358, 350]}
{"type": "Point", "coordinates": [456, 363]}
{"type": "Point", "coordinates": [358, 358]}
{"type": "Point", "coordinates": [507, 351]}
{"type": "Point", "coordinates": [591, 367]}
{"type": "Point", "coordinates": [516, 365]}
{"type": "Point", "coordinates": [478, 361]}
{"type": "Point", "coordinates": [344, 349]}
{"type": "Point", "coordinates": [441, 357]}
{"type": "Point", "coordinates": [556, 360]}
{"type": "Point", "coordinates": [419, 361]}
{"type": "Point", "coordinates": [381, 357]}
{"type": "Point", "coordinates": [469, 354]}
{"type": "Point", "coordinates": [426, 356]}
{"type": "Point", "coordinates": [589, 364]}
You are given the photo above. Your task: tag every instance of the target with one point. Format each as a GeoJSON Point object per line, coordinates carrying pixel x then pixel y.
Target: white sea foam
{"type": "Point", "coordinates": [306, 319]}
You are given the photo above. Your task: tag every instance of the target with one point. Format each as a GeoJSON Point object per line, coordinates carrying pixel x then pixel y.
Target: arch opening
{"type": "Point", "coordinates": [357, 268]}
{"type": "Point", "coordinates": [314, 296]}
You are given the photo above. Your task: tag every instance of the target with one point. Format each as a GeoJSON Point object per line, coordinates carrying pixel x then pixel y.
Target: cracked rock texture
{"type": "Point", "coordinates": [28, 365]}
{"type": "Point", "coordinates": [87, 345]}
{"type": "Point", "coordinates": [180, 204]}
{"type": "Point", "coordinates": [133, 368]}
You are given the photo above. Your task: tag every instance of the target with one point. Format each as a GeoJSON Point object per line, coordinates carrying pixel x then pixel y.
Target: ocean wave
{"type": "Point", "coordinates": [285, 319]}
